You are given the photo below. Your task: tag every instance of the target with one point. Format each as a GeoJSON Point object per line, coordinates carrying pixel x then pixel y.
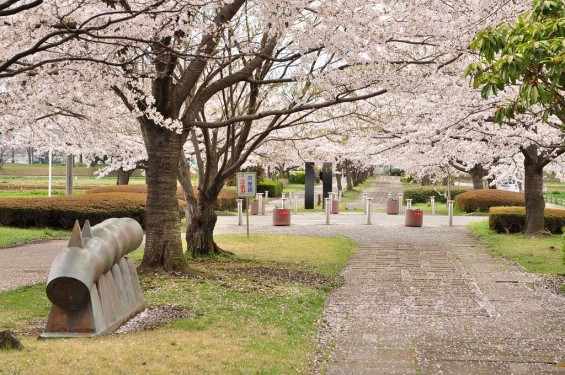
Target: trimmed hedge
{"type": "Point", "coordinates": [61, 212]}
{"type": "Point", "coordinates": [227, 200]}
{"type": "Point", "coordinates": [274, 188]}
{"type": "Point", "coordinates": [483, 199]}
{"type": "Point", "coordinates": [513, 219]}
{"type": "Point", "coordinates": [422, 194]}
{"type": "Point", "coordinates": [297, 177]}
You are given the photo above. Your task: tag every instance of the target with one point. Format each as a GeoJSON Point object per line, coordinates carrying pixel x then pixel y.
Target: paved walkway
{"type": "Point", "coordinates": [414, 300]}
{"type": "Point", "coordinates": [28, 264]}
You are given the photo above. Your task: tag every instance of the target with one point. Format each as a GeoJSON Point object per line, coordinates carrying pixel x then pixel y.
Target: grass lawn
{"type": "Point", "coordinates": [541, 255]}
{"type": "Point", "coordinates": [255, 313]}
{"type": "Point", "coordinates": [34, 176]}
{"type": "Point", "coordinates": [441, 208]}
{"type": "Point", "coordinates": [13, 236]}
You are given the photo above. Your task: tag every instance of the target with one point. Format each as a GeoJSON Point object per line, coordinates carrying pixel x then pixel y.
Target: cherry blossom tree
{"type": "Point", "coordinates": [225, 75]}
{"type": "Point", "coordinates": [526, 57]}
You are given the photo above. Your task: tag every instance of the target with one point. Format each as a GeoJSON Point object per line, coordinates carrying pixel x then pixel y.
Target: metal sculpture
{"type": "Point", "coordinates": [93, 287]}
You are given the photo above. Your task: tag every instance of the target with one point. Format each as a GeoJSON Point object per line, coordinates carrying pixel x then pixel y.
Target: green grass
{"type": "Point", "coordinates": [441, 208]}
{"type": "Point", "coordinates": [24, 193]}
{"type": "Point", "coordinates": [10, 169]}
{"type": "Point", "coordinates": [12, 236]}
{"type": "Point", "coordinates": [553, 196]}
{"type": "Point", "coordinates": [540, 255]}
{"type": "Point", "coordinates": [255, 313]}
{"type": "Point", "coordinates": [19, 182]}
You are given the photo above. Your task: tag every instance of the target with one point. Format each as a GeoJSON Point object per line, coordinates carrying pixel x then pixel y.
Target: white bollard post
{"type": "Point", "coordinates": [364, 202]}
{"type": "Point", "coordinates": [400, 203]}
{"type": "Point", "coordinates": [260, 210]}
{"type": "Point", "coordinates": [283, 202]}
{"type": "Point", "coordinates": [296, 203]}
{"type": "Point", "coordinates": [369, 210]}
{"type": "Point", "coordinates": [450, 211]}
{"type": "Point", "coordinates": [240, 211]}
{"type": "Point", "coordinates": [266, 196]}
{"type": "Point", "coordinates": [389, 195]}
{"type": "Point", "coordinates": [328, 208]}
{"type": "Point", "coordinates": [408, 204]}
{"type": "Point", "coordinates": [433, 204]}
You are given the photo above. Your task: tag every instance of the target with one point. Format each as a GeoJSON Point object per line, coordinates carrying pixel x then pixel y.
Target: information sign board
{"type": "Point", "coordinates": [246, 184]}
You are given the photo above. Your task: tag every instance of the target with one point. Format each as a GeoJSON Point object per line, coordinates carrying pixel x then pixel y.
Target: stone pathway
{"type": "Point", "coordinates": [28, 264]}
{"type": "Point", "coordinates": [435, 303]}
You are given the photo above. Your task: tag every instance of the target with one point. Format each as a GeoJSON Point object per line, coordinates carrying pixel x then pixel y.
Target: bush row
{"type": "Point", "coordinates": [227, 199]}
{"type": "Point", "coordinates": [297, 177]}
{"type": "Point", "coordinates": [422, 194]}
{"type": "Point", "coordinates": [274, 188]}
{"type": "Point", "coordinates": [483, 199]}
{"type": "Point", "coordinates": [61, 212]}
{"type": "Point", "coordinates": [513, 219]}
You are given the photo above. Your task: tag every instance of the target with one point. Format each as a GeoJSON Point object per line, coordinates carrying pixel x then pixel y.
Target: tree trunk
{"type": "Point", "coordinates": [533, 190]}
{"type": "Point", "coordinates": [123, 176]}
{"type": "Point", "coordinates": [349, 178]}
{"type": "Point", "coordinates": [163, 247]}
{"type": "Point", "coordinates": [477, 173]}
{"type": "Point", "coordinates": [29, 155]}
{"type": "Point", "coordinates": [186, 183]}
{"type": "Point", "coordinates": [338, 179]}
{"type": "Point", "coordinates": [200, 232]}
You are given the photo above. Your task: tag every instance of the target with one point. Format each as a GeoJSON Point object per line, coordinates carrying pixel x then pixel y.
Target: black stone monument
{"type": "Point", "coordinates": [326, 177]}
{"type": "Point", "coordinates": [310, 180]}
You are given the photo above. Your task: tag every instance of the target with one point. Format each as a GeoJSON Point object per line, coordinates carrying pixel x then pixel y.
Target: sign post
{"type": "Point", "coordinates": [246, 188]}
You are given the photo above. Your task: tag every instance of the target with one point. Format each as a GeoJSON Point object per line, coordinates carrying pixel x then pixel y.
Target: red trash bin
{"type": "Point", "coordinates": [255, 208]}
{"type": "Point", "coordinates": [392, 207]}
{"type": "Point", "coordinates": [414, 218]}
{"type": "Point", "coordinates": [281, 216]}
{"type": "Point", "coordinates": [335, 206]}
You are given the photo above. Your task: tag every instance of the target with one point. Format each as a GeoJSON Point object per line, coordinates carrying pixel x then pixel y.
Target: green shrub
{"type": "Point", "coordinates": [513, 219]}
{"type": "Point", "coordinates": [422, 194]}
{"type": "Point", "coordinates": [483, 199]}
{"type": "Point", "coordinates": [396, 172]}
{"type": "Point", "coordinates": [61, 212]}
{"type": "Point", "coordinates": [227, 199]}
{"type": "Point", "coordinates": [274, 188]}
{"type": "Point", "coordinates": [297, 177]}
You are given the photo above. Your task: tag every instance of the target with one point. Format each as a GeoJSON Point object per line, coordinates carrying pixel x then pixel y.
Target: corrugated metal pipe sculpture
{"type": "Point", "coordinates": [93, 287]}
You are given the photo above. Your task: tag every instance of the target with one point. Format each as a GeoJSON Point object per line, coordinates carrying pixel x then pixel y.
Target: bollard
{"type": "Point", "coordinates": [283, 199]}
{"type": "Point", "coordinates": [261, 207]}
{"type": "Point", "coordinates": [408, 204]}
{"type": "Point", "coordinates": [364, 202]}
{"type": "Point", "coordinates": [450, 211]}
{"type": "Point", "coordinates": [389, 195]}
{"type": "Point", "coordinates": [93, 287]}
{"type": "Point", "coordinates": [328, 209]}
{"type": "Point", "coordinates": [240, 211]}
{"type": "Point", "coordinates": [433, 204]}
{"type": "Point", "coordinates": [400, 200]}
{"type": "Point", "coordinates": [369, 200]}
{"type": "Point", "coordinates": [266, 196]}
